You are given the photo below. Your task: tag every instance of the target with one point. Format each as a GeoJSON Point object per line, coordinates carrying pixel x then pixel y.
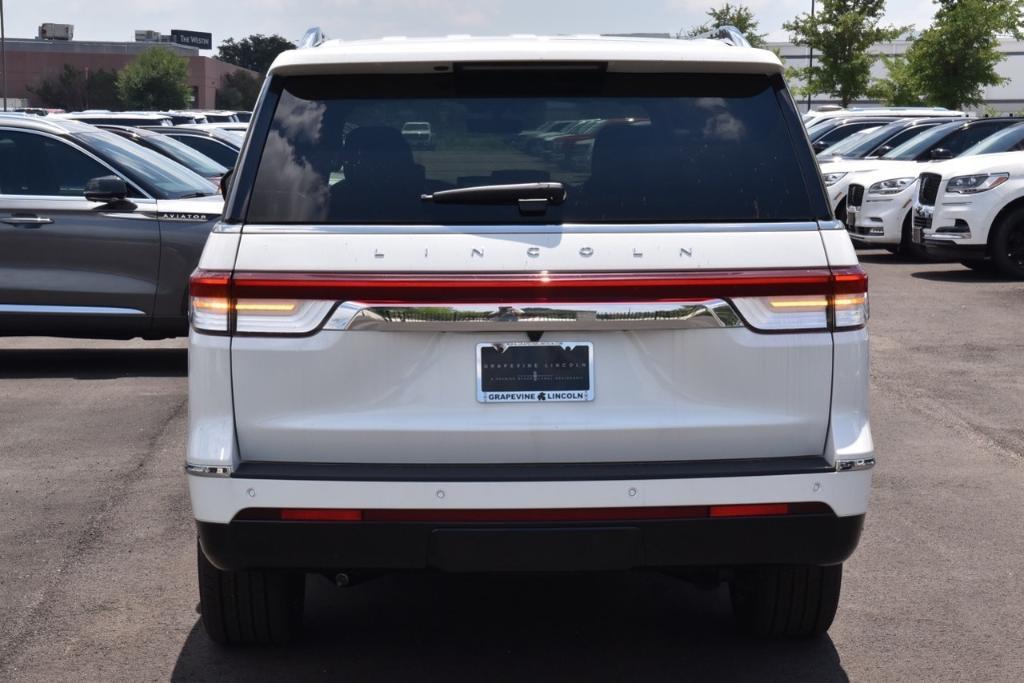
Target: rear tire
{"type": "Point", "coordinates": [250, 607]}
{"type": "Point", "coordinates": [1007, 244]}
{"type": "Point", "coordinates": [786, 601]}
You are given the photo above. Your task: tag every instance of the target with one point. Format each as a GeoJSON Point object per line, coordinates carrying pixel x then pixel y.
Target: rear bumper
{"type": "Point", "coordinates": [817, 539]}
{"type": "Point", "coordinates": [219, 499]}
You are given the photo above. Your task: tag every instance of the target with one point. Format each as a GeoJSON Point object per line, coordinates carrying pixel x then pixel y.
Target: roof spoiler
{"type": "Point", "coordinates": [727, 34]}
{"type": "Point", "coordinates": [311, 38]}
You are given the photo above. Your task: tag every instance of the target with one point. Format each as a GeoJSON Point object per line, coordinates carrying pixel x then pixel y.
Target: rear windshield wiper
{"type": "Point", "coordinates": [532, 198]}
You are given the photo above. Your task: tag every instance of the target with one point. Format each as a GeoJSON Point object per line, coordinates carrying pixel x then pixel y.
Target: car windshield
{"type": "Point", "coordinates": [186, 156]}
{"type": "Point", "coordinates": [858, 146]}
{"type": "Point", "coordinates": [152, 171]}
{"type": "Point", "coordinates": [918, 145]}
{"type": "Point", "coordinates": [842, 147]}
{"type": "Point", "coordinates": [1007, 140]}
{"type": "Point", "coordinates": [661, 148]}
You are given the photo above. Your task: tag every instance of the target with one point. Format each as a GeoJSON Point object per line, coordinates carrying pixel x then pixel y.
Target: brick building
{"type": "Point", "coordinates": [29, 61]}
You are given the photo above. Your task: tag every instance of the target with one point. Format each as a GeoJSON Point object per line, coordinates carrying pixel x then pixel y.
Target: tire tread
{"type": "Point", "coordinates": [783, 601]}
{"type": "Point", "coordinates": [249, 607]}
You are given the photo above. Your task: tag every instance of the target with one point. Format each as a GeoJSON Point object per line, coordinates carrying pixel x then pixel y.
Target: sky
{"type": "Point", "coordinates": [353, 19]}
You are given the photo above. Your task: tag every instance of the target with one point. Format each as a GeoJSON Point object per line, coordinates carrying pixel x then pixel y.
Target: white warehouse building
{"type": "Point", "coordinates": [1007, 98]}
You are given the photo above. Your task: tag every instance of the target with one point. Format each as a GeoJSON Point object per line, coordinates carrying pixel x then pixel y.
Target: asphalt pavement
{"type": "Point", "coordinates": [97, 546]}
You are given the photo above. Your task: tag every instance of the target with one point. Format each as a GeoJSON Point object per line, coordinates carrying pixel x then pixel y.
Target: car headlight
{"type": "Point", "coordinates": [891, 186]}
{"type": "Point", "coordinates": [832, 178]}
{"type": "Point", "coordinates": [972, 184]}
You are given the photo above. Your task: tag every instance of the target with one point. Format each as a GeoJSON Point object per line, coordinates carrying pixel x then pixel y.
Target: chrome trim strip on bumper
{"type": "Point", "coordinates": [33, 309]}
{"type": "Point", "coordinates": [711, 313]}
{"type": "Point", "coordinates": [855, 465]}
{"type": "Point", "coordinates": [207, 471]}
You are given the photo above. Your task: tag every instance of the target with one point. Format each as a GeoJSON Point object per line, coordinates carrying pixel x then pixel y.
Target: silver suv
{"type": "Point", "coordinates": [474, 358]}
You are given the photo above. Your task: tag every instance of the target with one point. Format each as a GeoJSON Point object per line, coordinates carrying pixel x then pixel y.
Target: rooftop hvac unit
{"type": "Point", "coordinates": [49, 31]}
{"type": "Point", "coordinates": [147, 36]}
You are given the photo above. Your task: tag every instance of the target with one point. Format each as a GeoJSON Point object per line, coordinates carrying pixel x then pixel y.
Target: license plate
{"type": "Point", "coordinates": [851, 219]}
{"type": "Point", "coordinates": [916, 234]}
{"type": "Point", "coordinates": [533, 372]}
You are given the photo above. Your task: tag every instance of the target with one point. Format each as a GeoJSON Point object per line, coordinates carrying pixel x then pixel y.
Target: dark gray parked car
{"type": "Point", "coordinates": [97, 235]}
{"type": "Point", "coordinates": [220, 145]}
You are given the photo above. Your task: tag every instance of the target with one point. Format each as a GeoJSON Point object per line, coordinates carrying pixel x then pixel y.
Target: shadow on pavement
{"type": "Point", "coordinates": [961, 275]}
{"type": "Point", "coordinates": [93, 363]}
{"type": "Point", "coordinates": [885, 257]}
{"type": "Point", "coordinates": [589, 627]}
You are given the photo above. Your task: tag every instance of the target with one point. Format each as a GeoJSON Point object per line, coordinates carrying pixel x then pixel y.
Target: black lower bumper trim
{"type": "Point", "coordinates": [587, 471]}
{"type": "Point", "coordinates": [949, 251]}
{"type": "Point", "coordinates": [813, 539]}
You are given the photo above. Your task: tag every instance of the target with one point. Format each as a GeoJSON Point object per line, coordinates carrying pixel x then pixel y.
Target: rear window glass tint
{"type": "Point", "coordinates": [627, 147]}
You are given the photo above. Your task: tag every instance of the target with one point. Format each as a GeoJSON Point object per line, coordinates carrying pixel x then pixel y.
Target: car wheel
{"type": "Point", "coordinates": [249, 607]}
{"type": "Point", "coordinates": [1008, 244]}
{"type": "Point", "coordinates": [786, 601]}
{"type": "Point", "coordinates": [907, 245]}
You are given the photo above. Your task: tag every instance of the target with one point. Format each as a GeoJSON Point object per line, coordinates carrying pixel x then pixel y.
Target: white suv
{"type": "Point", "coordinates": [972, 210]}
{"type": "Point", "coordinates": [469, 358]}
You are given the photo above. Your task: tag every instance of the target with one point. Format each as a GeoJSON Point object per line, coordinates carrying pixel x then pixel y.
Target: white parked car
{"type": "Point", "coordinates": [826, 112]}
{"type": "Point", "coordinates": [938, 143]}
{"type": "Point", "coordinates": [118, 118]}
{"type": "Point", "coordinates": [972, 210]}
{"type": "Point", "coordinates": [480, 361]}
{"type": "Point", "coordinates": [879, 203]}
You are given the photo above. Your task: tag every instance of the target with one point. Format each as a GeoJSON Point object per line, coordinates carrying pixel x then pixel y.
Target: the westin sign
{"type": "Point", "coordinates": [204, 41]}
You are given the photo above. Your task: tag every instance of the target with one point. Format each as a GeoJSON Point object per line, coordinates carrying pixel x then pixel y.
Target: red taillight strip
{"type": "Point", "coordinates": [542, 287]}
{"type": "Point", "coordinates": [209, 283]}
{"type": "Point", "coordinates": [850, 280]}
{"type": "Point", "coordinates": [449, 516]}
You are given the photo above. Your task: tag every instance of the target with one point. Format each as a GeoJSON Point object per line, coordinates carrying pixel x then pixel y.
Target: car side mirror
{"type": "Point", "coordinates": [941, 153]}
{"type": "Point", "coordinates": [884, 149]}
{"type": "Point", "coordinates": [106, 189]}
{"type": "Point", "coordinates": [225, 182]}
{"type": "Point", "coordinates": [820, 146]}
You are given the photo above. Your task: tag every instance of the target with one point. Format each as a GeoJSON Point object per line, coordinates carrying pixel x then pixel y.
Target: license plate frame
{"type": "Point", "coordinates": [546, 383]}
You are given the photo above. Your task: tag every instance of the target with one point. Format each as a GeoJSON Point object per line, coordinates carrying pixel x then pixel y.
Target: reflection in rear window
{"type": "Point", "coordinates": [627, 147]}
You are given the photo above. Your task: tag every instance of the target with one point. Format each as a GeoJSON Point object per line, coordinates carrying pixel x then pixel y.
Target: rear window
{"type": "Point", "coordinates": [627, 147]}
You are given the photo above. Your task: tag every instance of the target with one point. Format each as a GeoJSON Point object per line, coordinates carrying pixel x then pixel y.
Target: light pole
{"type": "Point", "coordinates": [810, 63]}
{"type": "Point", "coordinates": [3, 55]}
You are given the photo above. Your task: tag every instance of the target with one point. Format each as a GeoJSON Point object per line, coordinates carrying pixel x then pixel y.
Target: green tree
{"type": "Point", "coordinates": [900, 88]}
{"type": "Point", "coordinates": [157, 79]}
{"type": "Point", "coordinates": [238, 91]}
{"type": "Point", "coordinates": [74, 89]}
{"type": "Point", "coordinates": [255, 53]}
{"type": "Point", "coordinates": [101, 90]}
{"type": "Point", "coordinates": [840, 33]}
{"type": "Point", "coordinates": [956, 58]}
{"type": "Point", "coordinates": [739, 16]}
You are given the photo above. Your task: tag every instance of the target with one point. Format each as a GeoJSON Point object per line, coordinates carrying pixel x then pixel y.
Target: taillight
{"type": "Point", "coordinates": [210, 301]}
{"type": "Point", "coordinates": [843, 306]}
{"type": "Point", "coordinates": [850, 308]}
{"type": "Point", "coordinates": [299, 303]}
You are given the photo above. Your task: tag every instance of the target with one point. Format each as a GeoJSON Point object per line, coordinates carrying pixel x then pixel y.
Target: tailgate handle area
{"type": "Point", "coordinates": [708, 313]}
